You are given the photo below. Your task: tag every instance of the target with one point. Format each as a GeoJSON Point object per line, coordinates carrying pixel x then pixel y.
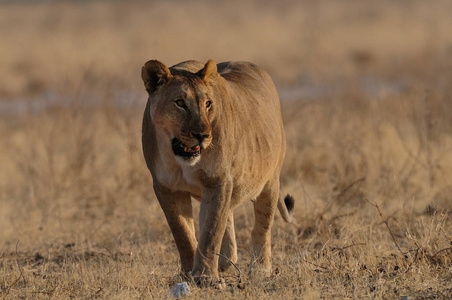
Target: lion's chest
{"type": "Point", "coordinates": [177, 178]}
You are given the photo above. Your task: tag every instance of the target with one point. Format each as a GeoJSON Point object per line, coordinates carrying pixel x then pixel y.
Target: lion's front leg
{"type": "Point", "coordinates": [213, 215]}
{"type": "Point", "coordinates": [228, 245]}
{"type": "Point", "coordinates": [179, 214]}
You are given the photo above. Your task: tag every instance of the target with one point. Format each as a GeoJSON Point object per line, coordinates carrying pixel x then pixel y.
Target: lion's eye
{"type": "Point", "coordinates": [208, 104]}
{"type": "Point", "coordinates": [180, 103]}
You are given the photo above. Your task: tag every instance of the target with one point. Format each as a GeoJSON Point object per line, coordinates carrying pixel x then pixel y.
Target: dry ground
{"type": "Point", "coordinates": [366, 97]}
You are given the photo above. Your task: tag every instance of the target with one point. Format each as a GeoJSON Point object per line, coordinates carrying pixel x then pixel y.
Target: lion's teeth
{"type": "Point", "coordinates": [192, 150]}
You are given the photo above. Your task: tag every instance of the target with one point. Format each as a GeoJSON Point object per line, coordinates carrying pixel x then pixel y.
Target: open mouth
{"type": "Point", "coordinates": [184, 151]}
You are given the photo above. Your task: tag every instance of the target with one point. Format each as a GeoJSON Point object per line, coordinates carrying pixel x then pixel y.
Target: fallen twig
{"type": "Point", "coordinates": [414, 260]}
{"type": "Point", "coordinates": [350, 186]}
{"type": "Point", "coordinates": [346, 247]}
{"type": "Point", "coordinates": [18, 264]}
{"type": "Point", "coordinates": [21, 275]}
{"type": "Point", "coordinates": [387, 226]}
{"type": "Point", "coordinates": [442, 250]}
{"type": "Point", "coordinates": [318, 266]}
{"type": "Point", "coordinates": [235, 266]}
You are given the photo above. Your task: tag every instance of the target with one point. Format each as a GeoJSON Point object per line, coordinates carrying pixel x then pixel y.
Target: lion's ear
{"type": "Point", "coordinates": [154, 74]}
{"type": "Point", "coordinates": [209, 72]}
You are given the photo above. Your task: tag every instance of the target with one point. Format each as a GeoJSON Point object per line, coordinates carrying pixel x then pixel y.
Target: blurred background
{"type": "Point", "coordinates": [365, 89]}
{"type": "Point", "coordinates": [48, 46]}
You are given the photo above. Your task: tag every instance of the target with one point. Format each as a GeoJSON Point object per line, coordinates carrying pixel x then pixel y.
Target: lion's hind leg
{"type": "Point", "coordinates": [264, 212]}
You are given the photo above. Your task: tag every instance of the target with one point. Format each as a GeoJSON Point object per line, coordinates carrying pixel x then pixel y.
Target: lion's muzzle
{"type": "Point", "coordinates": [190, 146]}
{"type": "Point", "coordinates": [185, 151]}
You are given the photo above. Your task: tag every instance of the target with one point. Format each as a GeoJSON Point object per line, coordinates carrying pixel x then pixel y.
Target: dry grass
{"type": "Point", "coordinates": [369, 157]}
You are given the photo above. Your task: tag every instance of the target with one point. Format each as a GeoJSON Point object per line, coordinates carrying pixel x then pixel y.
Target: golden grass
{"type": "Point", "coordinates": [369, 166]}
{"type": "Point", "coordinates": [65, 45]}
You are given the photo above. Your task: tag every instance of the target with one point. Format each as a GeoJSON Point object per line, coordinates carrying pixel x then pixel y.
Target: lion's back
{"type": "Point", "coordinates": [259, 142]}
{"type": "Point", "coordinates": [250, 79]}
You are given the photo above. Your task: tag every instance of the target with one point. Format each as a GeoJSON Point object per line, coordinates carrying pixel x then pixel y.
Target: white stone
{"type": "Point", "coordinates": [179, 290]}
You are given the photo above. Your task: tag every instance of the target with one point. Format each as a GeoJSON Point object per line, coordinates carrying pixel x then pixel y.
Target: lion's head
{"type": "Point", "coordinates": [182, 107]}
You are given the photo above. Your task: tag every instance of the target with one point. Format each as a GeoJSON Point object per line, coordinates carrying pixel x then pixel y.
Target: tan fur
{"type": "Point", "coordinates": [243, 151]}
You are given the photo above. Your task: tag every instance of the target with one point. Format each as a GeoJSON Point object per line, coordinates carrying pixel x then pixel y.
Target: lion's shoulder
{"type": "Point", "coordinates": [192, 66]}
{"type": "Point", "coordinates": [247, 74]}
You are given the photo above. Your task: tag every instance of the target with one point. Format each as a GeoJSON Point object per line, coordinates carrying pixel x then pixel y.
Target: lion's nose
{"type": "Point", "coordinates": [200, 136]}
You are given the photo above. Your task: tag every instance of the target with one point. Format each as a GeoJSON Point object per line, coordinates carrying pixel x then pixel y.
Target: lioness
{"type": "Point", "coordinates": [214, 133]}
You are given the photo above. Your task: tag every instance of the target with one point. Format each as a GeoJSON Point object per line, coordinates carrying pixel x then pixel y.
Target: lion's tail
{"type": "Point", "coordinates": [286, 208]}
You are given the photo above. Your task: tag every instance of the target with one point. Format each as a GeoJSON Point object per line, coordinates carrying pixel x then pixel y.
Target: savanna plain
{"type": "Point", "coordinates": [365, 91]}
